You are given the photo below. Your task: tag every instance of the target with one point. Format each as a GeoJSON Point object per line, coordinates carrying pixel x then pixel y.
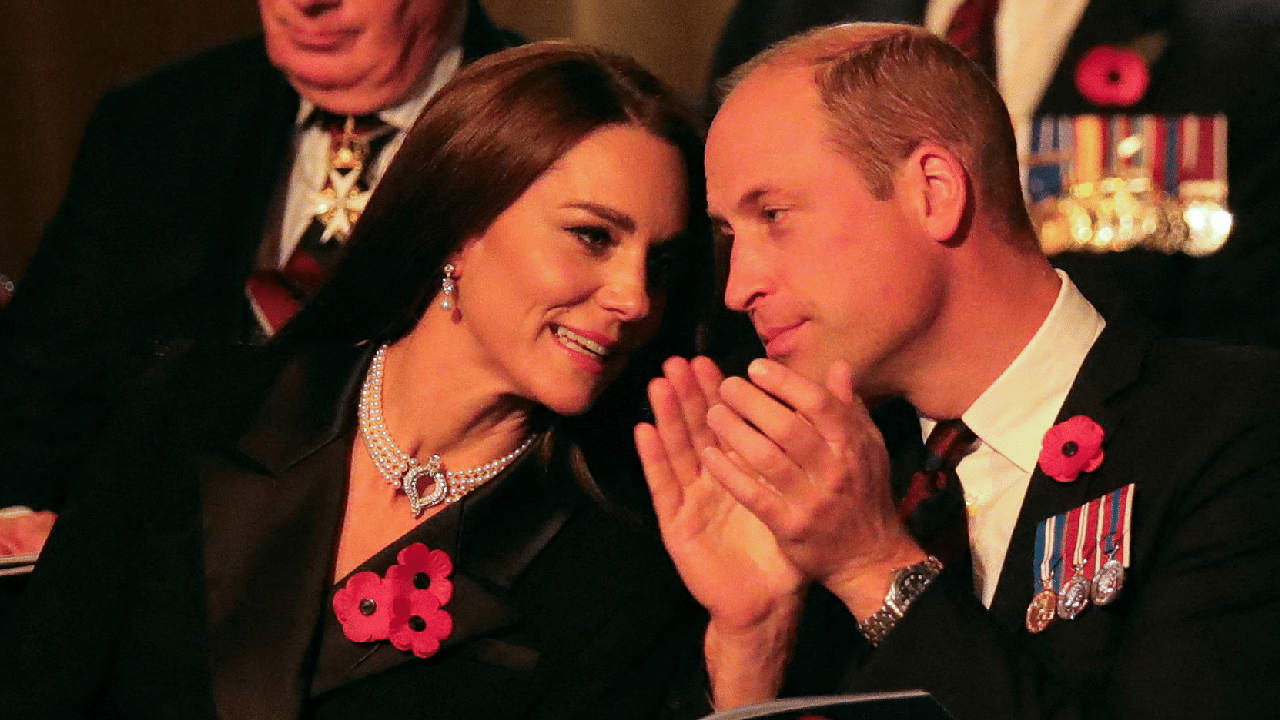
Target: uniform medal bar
{"type": "Point", "coordinates": [1080, 558]}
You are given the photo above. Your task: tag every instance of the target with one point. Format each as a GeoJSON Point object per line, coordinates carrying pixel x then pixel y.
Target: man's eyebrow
{"type": "Point", "coordinates": [614, 217]}
{"type": "Point", "coordinates": [752, 197]}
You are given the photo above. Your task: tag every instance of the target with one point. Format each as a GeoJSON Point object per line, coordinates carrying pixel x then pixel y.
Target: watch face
{"type": "Point", "coordinates": [915, 581]}
{"type": "Point", "coordinates": [910, 582]}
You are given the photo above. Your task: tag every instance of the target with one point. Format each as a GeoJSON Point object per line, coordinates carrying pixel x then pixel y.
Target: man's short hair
{"type": "Point", "coordinates": [889, 87]}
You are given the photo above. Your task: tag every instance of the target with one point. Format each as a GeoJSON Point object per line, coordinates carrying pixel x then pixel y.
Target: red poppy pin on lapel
{"type": "Point", "coordinates": [1072, 447]}
{"type": "Point", "coordinates": [405, 607]}
{"type": "Point", "coordinates": [1112, 76]}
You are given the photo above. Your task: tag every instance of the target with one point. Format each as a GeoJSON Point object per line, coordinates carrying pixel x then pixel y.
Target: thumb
{"type": "Point", "coordinates": [840, 381]}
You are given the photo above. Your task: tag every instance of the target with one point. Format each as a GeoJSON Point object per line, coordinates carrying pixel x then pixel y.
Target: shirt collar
{"type": "Point", "coordinates": [1013, 414]}
{"type": "Point", "coordinates": [402, 115]}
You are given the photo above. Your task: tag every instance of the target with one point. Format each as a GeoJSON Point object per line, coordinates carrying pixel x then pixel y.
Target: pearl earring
{"type": "Point", "coordinates": [447, 288]}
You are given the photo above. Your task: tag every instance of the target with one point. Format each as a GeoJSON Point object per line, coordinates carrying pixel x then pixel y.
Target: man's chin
{"type": "Point", "coordinates": [339, 93]}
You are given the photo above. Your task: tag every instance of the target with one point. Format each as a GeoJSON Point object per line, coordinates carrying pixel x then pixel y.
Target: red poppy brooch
{"type": "Point", "coordinates": [1072, 447]}
{"type": "Point", "coordinates": [1112, 76]}
{"type": "Point", "coordinates": [405, 606]}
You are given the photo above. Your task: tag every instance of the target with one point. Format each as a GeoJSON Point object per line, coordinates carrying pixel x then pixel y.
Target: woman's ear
{"type": "Point", "coordinates": [942, 191]}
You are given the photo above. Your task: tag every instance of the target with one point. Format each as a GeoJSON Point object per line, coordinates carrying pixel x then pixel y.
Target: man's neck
{"type": "Point", "coordinates": [995, 307]}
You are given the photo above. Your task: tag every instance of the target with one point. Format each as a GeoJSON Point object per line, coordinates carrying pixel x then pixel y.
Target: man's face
{"type": "Point", "coordinates": [355, 56]}
{"type": "Point", "coordinates": [824, 270]}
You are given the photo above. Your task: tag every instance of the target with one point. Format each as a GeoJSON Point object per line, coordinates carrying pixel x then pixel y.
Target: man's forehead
{"type": "Point", "coordinates": [770, 116]}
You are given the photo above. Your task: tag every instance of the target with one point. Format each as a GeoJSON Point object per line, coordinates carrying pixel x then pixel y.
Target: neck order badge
{"type": "Point", "coordinates": [354, 143]}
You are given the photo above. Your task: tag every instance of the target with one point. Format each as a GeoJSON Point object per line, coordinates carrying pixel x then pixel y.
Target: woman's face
{"type": "Point", "coordinates": [560, 289]}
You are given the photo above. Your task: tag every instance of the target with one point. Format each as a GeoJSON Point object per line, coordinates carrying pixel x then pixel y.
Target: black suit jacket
{"type": "Point", "coordinates": [157, 233]}
{"type": "Point", "coordinates": [1220, 57]}
{"type": "Point", "coordinates": [190, 575]}
{"type": "Point", "coordinates": [1192, 634]}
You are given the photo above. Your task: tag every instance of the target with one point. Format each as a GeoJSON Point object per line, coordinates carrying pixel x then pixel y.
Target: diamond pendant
{"type": "Point", "coordinates": [439, 485]}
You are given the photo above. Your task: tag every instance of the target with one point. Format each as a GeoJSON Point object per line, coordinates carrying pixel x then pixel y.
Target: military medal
{"type": "Point", "coordinates": [1042, 610]}
{"type": "Point", "coordinates": [1109, 579]}
{"type": "Point", "coordinates": [1075, 596]}
{"type": "Point", "coordinates": [1111, 182]}
{"type": "Point", "coordinates": [1091, 543]}
{"type": "Point", "coordinates": [1108, 582]}
{"type": "Point", "coordinates": [1081, 539]}
{"type": "Point", "coordinates": [1044, 604]}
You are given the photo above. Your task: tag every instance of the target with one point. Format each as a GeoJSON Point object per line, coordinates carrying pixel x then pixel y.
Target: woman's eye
{"type": "Point", "coordinates": [772, 214]}
{"type": "Point", "coordinates": [595, 238]}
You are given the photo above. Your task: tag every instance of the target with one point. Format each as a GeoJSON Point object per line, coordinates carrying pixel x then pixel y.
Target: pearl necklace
{"type": "Point", "coordinates": [403, 471]}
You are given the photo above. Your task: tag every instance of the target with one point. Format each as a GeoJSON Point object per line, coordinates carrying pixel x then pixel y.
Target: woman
{"type": "Point", "coordinates": [391, 511]}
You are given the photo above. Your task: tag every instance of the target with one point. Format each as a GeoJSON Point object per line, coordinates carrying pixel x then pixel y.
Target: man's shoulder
{"type": "Point", "coordinates": [230, 73]}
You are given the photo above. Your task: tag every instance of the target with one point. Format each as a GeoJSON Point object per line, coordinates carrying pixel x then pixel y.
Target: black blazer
{"type": "Point", "coordinates": [191, 576]}
{"type": "Point", "coordinates": [1191, 635]}
{"type": "Point", "coordinates": [1221, 57]}
{"type": "Point", "coordinates": [153, 241]}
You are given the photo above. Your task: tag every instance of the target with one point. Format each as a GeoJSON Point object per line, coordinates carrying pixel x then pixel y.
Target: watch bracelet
{"type": "Point", "coordinates": [899, 598]}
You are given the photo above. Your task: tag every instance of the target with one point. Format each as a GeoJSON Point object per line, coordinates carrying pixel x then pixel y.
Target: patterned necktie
{"type": "Point", "coordinates": [973, 30]}
{"type": "Point", "coordinates": [933, 506]}
{"type": "Point", "coordinates": [354, 143]}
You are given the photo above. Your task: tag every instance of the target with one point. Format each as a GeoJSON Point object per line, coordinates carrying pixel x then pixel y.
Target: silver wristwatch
{"type": "Point", "coordinates": [908, 583]}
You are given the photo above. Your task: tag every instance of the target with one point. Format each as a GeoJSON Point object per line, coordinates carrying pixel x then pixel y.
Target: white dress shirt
{"type": "Point", "coordinates": [1010, 419]}
{"type": "Point", "coordinates": [1031, 36]}
{"type": "Point", "coordinates": [311, 147]}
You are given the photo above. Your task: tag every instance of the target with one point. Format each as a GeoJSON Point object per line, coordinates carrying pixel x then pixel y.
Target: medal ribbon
{"type": "Point", "coordinates": [1119, 506]}
{"type": "Point", "coordinates": [1049, 553]}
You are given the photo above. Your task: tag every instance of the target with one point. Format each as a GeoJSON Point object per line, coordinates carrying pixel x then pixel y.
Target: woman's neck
{"type": "Point", "coordinates": [434, 403]}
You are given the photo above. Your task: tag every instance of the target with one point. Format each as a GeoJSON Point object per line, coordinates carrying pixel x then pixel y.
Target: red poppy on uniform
{"type": "Point", "coordinates": [1112, 76]}
{"type": "Point", "coordinates": [1072, 447]}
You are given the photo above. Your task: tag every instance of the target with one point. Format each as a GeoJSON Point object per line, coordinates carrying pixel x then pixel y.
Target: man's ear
{"type": "Point", "coordinates": [941, 190]}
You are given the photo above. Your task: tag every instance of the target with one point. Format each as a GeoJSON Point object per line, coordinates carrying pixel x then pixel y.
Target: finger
{"type": "Point", "coordinates": [752, 492]}
{"type": "Point", "coordinates": [840, 381]}
{"type": "Point", "coordinates": [663, 485]}
{"type": "Point", "coordinates": [692, 397]}
{"type": "Point", "coordinates": [756, 453]}
{"type": "Point", "coordinates": [826, 409]}
{"type": "Point", "coordinates": [709, 378]}
{"type": "Point", "coordinates": [788, 429]}
{"type": "Point", "coordinates": [670, 423]}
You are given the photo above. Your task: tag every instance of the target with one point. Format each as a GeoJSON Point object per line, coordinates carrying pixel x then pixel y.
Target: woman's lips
{"type": "Point", "coordinates": [590, 349]}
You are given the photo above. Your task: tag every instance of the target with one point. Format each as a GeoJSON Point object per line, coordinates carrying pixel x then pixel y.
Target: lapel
{"type": "Point", "coordinates": [262, 173]}
{"type": "Point", "coordinates": [530, 505]}
{"type": "Point", "coordinates": [271, 507]}
{"type": "Point", "coordinates": [271, 503]}
{"type": "Point", "coordinates": [244, 150]}
{"type": "Point", "coordinates": [1112, 365]}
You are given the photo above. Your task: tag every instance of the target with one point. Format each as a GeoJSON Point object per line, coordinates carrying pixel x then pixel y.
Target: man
{"type": "Point", "coordinates": [188, 184]}
{"type": "Point", "coordinates": [1203, 57]}
{"type": "Point", "coordinates": [866, 178]}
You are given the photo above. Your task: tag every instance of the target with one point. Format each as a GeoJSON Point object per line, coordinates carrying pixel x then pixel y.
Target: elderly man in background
{"type": "Point", "coordinates": [208, 202]}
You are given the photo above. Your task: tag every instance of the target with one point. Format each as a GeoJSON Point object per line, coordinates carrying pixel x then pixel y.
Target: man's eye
{"type": "Point", "coordinates": [772, 214]}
